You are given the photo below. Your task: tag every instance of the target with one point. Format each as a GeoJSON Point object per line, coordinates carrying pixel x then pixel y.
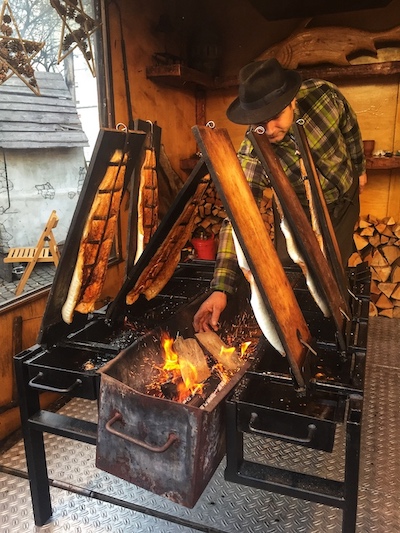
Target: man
{"type": "Point", "coordinates": [272, 98]}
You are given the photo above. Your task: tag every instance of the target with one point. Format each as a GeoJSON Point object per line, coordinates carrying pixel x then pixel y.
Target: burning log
{"type": "Point", "coordinates": [189, 375]}
{"type": "Point", "coordinates": [378, 243]}
{"type": "Point", "coordinates": [191, 360]}
{"type": "Point", "coordinates": [221, 352]}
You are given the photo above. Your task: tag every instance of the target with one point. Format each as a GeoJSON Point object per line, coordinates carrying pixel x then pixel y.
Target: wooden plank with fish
{"type": "Point", "coordinates": [272, 298]}
{"type": "Point", "coordinates": [97, 239]}
{"type": "Point", "coordinates": [330, 245]}
{"type": "Point", "coordinates": [301, 241]}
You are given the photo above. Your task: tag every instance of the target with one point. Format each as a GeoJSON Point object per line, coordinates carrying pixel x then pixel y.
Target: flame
{"type": "Point", "coordinates": [176, 368]}
{"type": "Point", "coordinates": [171, 359]}
{"type": "Point", "coordinates": [221, 372]}
{"type": "Point", "coordinates": [227, 351]}
{"type": "Point", "coordinates": [183, 374]}
{"type": "Point", "coordinates": [243, 347]}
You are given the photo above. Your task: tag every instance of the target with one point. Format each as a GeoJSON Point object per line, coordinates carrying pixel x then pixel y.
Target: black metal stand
{"type": "Point", "coordinates": [34, 423]}
{"type": "Point", "coordinates": [341, 494]}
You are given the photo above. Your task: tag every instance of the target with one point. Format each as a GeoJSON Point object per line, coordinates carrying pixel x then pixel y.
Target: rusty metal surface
{"type": "Point", "coordinates": [228, 507]}
{"type": "Point", "coordinates": [166, 447]}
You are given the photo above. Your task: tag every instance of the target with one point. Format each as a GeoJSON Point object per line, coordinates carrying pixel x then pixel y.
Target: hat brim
{"type": "Point", "coordinates": [237, 114]}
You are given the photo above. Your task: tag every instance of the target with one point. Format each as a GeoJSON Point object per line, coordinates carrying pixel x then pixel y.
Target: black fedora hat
{"type": "Point", "coordinates": [265, 89]}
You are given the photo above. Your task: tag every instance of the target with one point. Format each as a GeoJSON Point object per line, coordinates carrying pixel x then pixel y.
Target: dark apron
{"type": "Point", "coordinates": [344, 215]}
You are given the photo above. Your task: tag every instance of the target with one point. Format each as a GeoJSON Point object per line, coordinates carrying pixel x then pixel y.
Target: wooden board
{"type": "Point", "coordinates": [331, 247]}
{"type": "Point", "coordinates": [306, 240]}
{"type": "Point", "coordinates": [191, 356]}
{"type": "Point", "coordinates": [270, 277]}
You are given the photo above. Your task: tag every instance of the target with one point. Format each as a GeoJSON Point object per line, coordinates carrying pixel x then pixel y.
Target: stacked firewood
{"type": "Point", "coordinates": [211, 212]}
{"type": "Point", "coordinates": [378, 243]}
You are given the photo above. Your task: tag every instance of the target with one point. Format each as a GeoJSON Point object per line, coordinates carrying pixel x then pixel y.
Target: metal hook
{"type": "Point", "coordinates": [353, 295]}
{"type": "Point", "coordinates": [307, 345]}
{"type": "Point", "coordinates": [259, 129]}
{"type": "Point", "coordinates": [121, 127]}
{"type": "Point", "coordinates": [151, 126]}
{"type": "Point", "coordinates": [210, 124]}
{"type": "Point", "coordinates": [346, 316]}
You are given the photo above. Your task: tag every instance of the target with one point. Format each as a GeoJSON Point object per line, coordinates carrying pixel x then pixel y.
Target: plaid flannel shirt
{"type": "Point", "coordinates": [335, 142]}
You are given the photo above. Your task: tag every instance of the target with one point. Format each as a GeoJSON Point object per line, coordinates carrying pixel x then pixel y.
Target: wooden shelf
{"type": "Point", "coordinates": [177, 75]}
{"type": "Point", "coordinates": [365, 70]}
{"type": "Point", "coordinates": [383, 163]}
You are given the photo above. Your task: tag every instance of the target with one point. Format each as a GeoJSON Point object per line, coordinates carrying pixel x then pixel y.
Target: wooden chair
{"type": "Point", "coordinates": [46, 251]}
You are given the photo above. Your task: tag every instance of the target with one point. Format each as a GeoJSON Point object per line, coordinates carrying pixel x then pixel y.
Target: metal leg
{"type": "Point", "coordinates": [340, 494]}
{"type": "Point", "coordinates": [234, 439]}
{"type": "Point", "coordinates": [34, 444]}
{"type": "Point", "coordinates": [352, 469]}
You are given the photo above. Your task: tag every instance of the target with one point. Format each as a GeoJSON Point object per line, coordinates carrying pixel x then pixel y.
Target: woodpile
{"type": "Point", "coordinates": [211, 212]}
{"type": "Point", "coordinates": [378, 243]}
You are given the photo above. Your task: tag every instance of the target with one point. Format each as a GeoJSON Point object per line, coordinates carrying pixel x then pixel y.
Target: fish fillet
{"type": "Point", "coordinates": [298, 259]}
{"type": "Point", "coordinates": [96, 242]}
{"type": "Point", "coordinates": [260, 312]}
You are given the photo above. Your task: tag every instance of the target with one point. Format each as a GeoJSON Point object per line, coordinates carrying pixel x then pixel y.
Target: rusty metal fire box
{"type": "Point", "coordinates": [169, 448]}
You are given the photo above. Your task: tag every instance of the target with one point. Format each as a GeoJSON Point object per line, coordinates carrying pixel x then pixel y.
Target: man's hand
{"type": "Point", "coordinates": [207, 317]}
{"type": "Point", "coordinates": [362, 180]}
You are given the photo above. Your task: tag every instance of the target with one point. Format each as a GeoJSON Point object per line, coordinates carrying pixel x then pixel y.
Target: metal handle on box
{"type": "Point", "coordinates": [296, 440]}
{"type": "Point", "coordinates": [157, 449]}
{"type": "Point", "coordinates": [50, 388]}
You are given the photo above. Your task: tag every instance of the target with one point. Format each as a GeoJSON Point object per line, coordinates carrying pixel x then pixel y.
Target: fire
{"type": "Point", "coordinates": [179, 378]}
{"type": "Point", "coordinates": [227, 352]}
{"type": "Point", "coordinates": [171, 359]}
{"type": "Point", "coordinates": [221, 372]}
{"type": "Point", "coordinates": [243, 348]}
{"type": "Point", "coordinates": [176, 368]}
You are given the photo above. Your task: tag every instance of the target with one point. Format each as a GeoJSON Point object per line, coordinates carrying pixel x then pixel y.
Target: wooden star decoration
{"type": "Point", "coordinates": [16, 53]}
{"type": "Point", "coordinates": [76, 30]}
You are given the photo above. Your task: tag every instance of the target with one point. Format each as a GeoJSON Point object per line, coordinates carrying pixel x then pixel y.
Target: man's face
{"type": "Point", "coordinates": [277, 127]}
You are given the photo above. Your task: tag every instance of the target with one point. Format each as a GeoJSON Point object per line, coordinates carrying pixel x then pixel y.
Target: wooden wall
{"type": "Point", "coordinates": [242, 34]}
{"type": "Point", "coordinates": [375, 100]}
{"type": "Point", "coordinates": [173, 109]}
{"type": "Point", "coordinates": [19, 326]}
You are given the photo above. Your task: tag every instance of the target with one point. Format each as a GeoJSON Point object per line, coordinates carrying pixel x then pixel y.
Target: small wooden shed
{"type": "Point", "coordinates": [42, 162]}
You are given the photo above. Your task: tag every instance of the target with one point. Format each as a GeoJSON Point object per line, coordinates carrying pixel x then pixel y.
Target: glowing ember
{"type": "Point", "coordinates": [221, 372]}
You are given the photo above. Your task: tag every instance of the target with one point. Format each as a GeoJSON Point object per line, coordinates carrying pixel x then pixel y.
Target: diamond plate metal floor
{"type": "Point", "coordinates": [226, 507]}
